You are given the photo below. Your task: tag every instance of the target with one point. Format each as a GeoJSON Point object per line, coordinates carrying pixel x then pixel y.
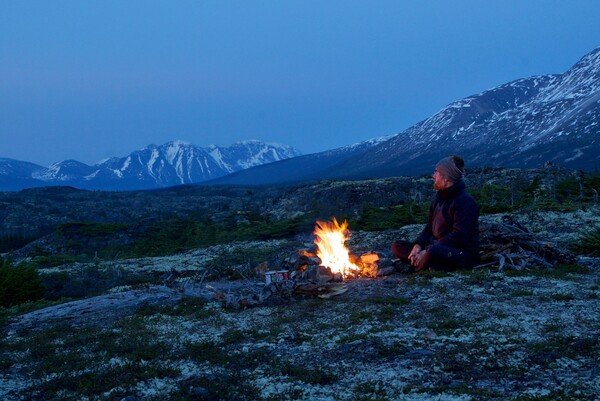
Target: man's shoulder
{"type": "Point", "coordinates": [464, 198]}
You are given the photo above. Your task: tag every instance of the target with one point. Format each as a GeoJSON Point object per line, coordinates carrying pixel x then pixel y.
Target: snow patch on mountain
{"type": "Point", "coordinates": [173, 163]}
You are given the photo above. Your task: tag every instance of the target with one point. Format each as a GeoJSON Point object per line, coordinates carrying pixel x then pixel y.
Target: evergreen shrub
{"type": "Point", "coordinates": [588, 243]}
{"type": "Point", "coordinates": [19, 283]}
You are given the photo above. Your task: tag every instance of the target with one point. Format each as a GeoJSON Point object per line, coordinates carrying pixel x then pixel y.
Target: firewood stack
{"type": "Point", "coordinates": [509, 245]}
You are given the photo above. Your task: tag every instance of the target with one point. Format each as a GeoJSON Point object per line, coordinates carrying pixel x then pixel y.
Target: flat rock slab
{"type": "Point", "coordinates": [96, 310]}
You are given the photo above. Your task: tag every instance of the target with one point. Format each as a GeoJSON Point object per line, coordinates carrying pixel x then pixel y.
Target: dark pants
{"type": "Point", "coordinates": [439, 257]}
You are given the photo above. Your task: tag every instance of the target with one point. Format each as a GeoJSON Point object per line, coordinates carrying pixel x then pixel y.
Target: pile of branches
{"type": "Point", "coordinates": [510, 245]}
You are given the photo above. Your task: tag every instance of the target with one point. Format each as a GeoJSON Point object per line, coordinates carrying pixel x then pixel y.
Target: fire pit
{"type": "Point", "coordinates": [323, 271]}
{"type": "Point", "coordinates": [331, 260]}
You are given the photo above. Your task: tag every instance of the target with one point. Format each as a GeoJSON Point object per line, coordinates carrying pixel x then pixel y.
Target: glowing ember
{"type": "Point", "coordinates": [331, 248]}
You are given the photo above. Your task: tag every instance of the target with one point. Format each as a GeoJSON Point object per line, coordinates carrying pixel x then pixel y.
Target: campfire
{"type": "Point", "coordinates": [329, 260]}
{"type": "Point", "coordinates": [331, 240]}
{"type": "Point", "coordinates": [324, 268]}
{"type": "Point", "coordinates": [321, 271]}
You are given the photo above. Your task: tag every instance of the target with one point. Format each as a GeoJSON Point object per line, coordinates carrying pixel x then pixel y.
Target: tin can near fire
{"type": "Point", "coordinates": [276, 276]}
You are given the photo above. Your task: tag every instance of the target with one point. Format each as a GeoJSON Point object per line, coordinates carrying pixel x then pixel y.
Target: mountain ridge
{"type": "Point", "coordinates": [523, 123]}
{"type": "Point", "coordinates": [173, 163]}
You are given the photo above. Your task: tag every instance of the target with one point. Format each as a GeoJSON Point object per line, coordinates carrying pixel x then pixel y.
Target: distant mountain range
{"type": "Point", "coordinates": [524, 123]}
{"type": "Point", "coordinates": [173, 163]}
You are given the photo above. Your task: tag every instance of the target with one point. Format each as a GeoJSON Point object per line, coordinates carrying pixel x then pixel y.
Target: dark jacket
{"type": "Point", "coordinates": [453, 221]}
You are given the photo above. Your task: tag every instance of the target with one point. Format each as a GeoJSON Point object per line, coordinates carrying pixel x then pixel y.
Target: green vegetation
{"type": "Point", "coordinates": [374, 218]}
{"type": "Point", "coordinates": [19, 283]}
{"type": "Point", "coordinates": [65, 356]}
{"type": "Point", "coordinates": [554, 193]}
{"type": "Point", "coordinates": [172, 236]}
{"type": "Point", "coordinates": [494, 198]}
{"type": "Point", "coordinates": [544, 352]}
{"type": "Point", "coordinates": [371, 390]}
{"type": "Point", "coordinates": [306, 373]}
{"type": "Point", "coordinates": [89, 229]}
{"type": "Point", "coordinates": [89, 281]}
{"type": "Point", "coordinates": [588, 243]}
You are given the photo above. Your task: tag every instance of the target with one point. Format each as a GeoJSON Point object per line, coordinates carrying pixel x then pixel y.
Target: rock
{"type": "Point", "coordinates": [318, 274]}
{"type": "Point", "coordinates": [314, 260]}
{"type": "Point", "coordinates": [98, 310]}
{"type": "Point", "coordinates": [385, 267]}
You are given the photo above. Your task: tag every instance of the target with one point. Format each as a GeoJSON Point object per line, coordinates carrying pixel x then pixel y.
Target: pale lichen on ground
{"type": "Point", "coordinates": [474, 335]}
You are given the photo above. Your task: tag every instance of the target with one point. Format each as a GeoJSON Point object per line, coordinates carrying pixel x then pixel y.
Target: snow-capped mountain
{"type": "Point", "coordinates": [524, 123]}
{"type": "Point", "coordinates": [173, 163]}
{"type": "Point", "coordinates": [310, 167]}
{"type": "Point", "coordinates": [15, 174]}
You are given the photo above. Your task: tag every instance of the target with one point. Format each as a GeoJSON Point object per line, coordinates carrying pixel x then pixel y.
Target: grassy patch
{"type": "Point", "coordinates": [225, 385]}
{"type": "Point", "coordinates": [387, 313]}
{"type": "Point", "coordinates": [307, 374]}
{"type": "Point", "coordinates": [358, 316]}
{"type": "Point", "coordinates": [352, 337]}
{"type": "Point", "coordinates": [392, 350]}
{"type": "Point", "coordinates": [91, 384]}
{"type": "Point", "coordinates": [76, 361]}
{"type": "Point", "coordinates": [445, 326]}
{"type": "Point", "coordinates": [477, 277]}
{"type": "Point", "coordinates": [555, 346]}
{"type": "Point", "coordinates": [207, 351]}
{"type": "Point", "coordinates": [370, 390]}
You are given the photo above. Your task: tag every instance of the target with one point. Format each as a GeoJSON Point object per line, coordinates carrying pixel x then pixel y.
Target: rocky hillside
{"type": "Point", "coordinates": [524, 123]}
{"type": "Point", "coordinates": [37, 211]}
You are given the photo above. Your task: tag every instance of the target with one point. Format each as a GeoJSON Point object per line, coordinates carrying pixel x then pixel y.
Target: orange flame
{"type": "Point", "coordinates": [331, 249]}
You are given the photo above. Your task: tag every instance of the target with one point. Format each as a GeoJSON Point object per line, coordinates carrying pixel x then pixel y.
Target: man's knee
{"type": "Point", "coordinates": [401, 249]}
{"type": "Point", "coordinates": [447, 259]}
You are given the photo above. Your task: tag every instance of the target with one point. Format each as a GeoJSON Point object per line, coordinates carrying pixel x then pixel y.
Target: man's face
{"type": "Point", "coordinates": [439, 182]}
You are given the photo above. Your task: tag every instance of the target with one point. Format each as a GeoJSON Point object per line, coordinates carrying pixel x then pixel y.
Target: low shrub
{"type": "Point", "coordinates": [588, 243]}
{"type": "Point", "coordinates": [18, 283]}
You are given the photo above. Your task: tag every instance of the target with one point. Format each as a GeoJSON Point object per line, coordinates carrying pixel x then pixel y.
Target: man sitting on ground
{"type": "Point", "coordinates": [450, 240]}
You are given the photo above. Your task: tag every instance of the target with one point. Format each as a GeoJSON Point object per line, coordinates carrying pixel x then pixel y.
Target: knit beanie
{"type": "Point", "coordinates": [451, 167]}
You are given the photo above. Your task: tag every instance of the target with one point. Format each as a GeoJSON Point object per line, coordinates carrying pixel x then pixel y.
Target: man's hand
{"type": "Point", "coordinates": [415, 255]}
{"type": "Point", "coordinates": [419, 257]}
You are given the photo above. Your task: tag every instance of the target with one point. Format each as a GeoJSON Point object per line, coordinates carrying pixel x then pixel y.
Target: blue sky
{"type": "Point", "coordinates": [91, 79]}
